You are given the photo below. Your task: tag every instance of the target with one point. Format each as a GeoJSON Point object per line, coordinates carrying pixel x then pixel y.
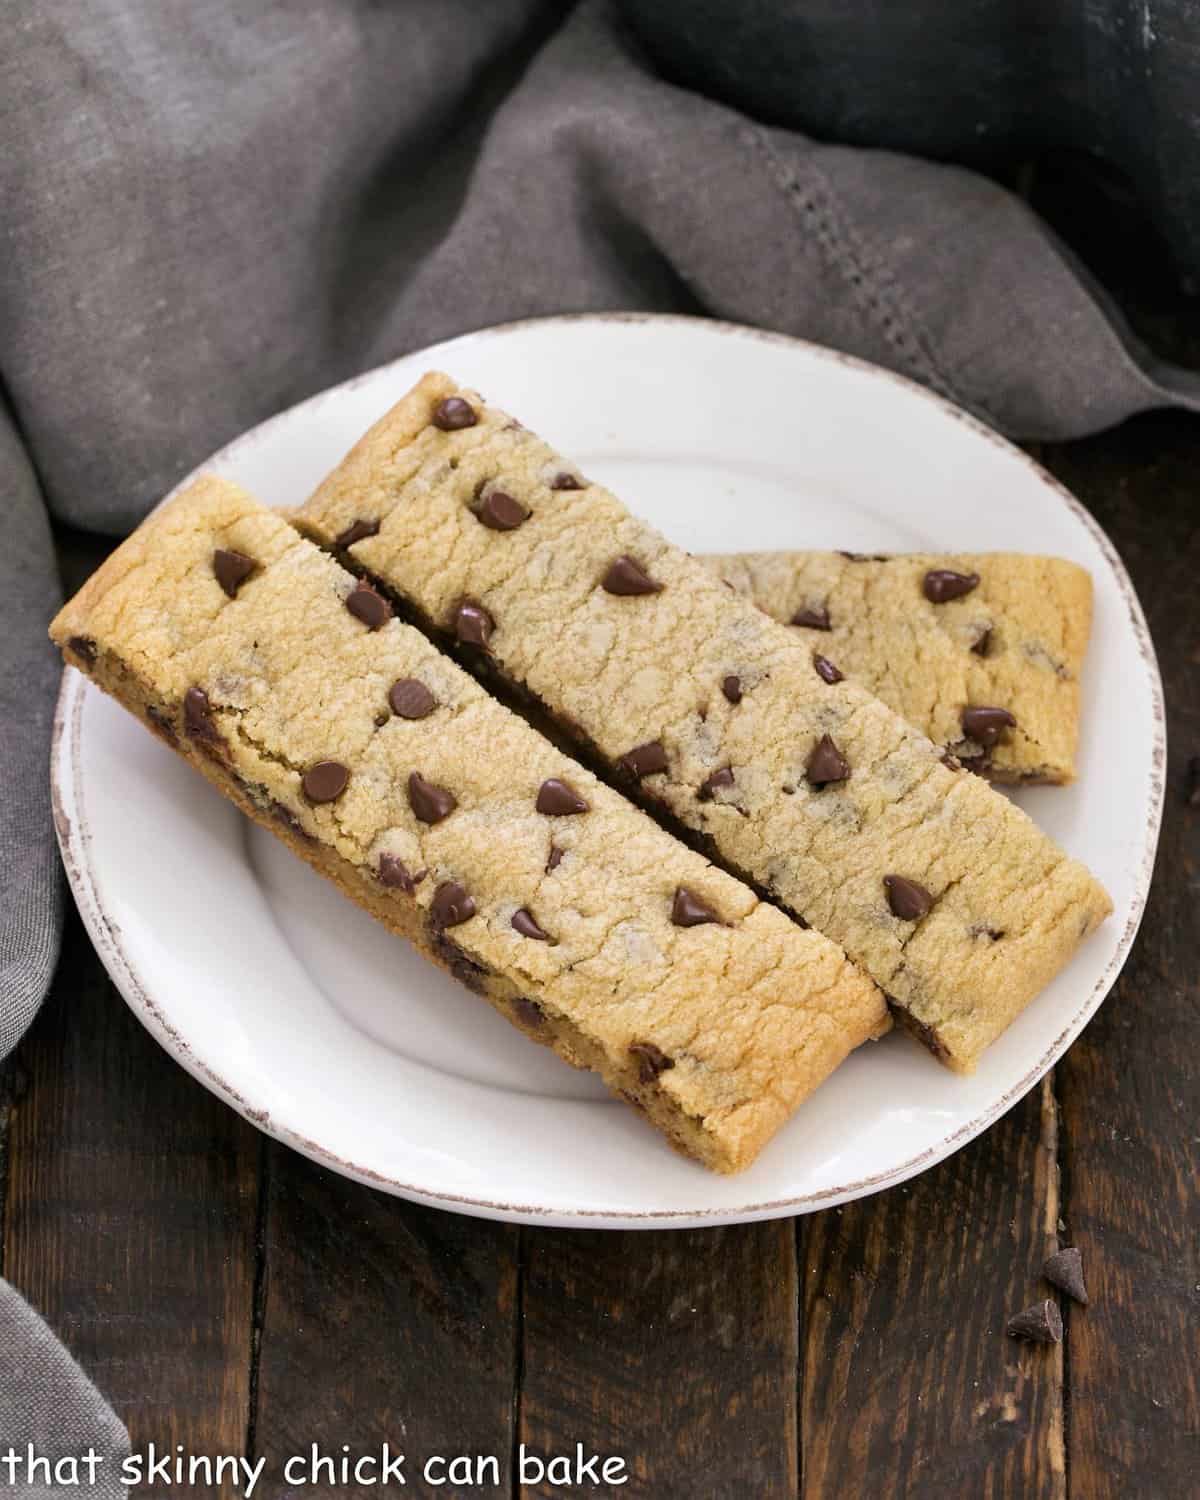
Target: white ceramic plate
{"type": "Point", "coordinates": [326, 1031]}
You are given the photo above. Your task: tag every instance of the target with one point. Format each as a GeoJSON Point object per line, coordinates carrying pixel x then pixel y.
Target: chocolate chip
{"type": "Point", "coordinates": [645, 760]}
{"type": "Point", "coordinates": [325, 781]}
{"type": "Point", "coordinates": [472, 624]}
{"type": "Point", "coordinates": [1041, 1323]}
{"type": "Point", "coordinates": [626, 577]}
{"type": "Point", "coordinates": [162, 724]}
{"type": "Point", "coordinates": [84, 648]}
{"type": "Point", "coordinates": [718, 779]}
{"type": "Point", "coordinates": [559, 799]}
{"type": "Point", "coordinates": [826, 670]}
{"type": "Point", "coordinates": [554, 859]}
{"type": "Point", "coordinates": [394, 872]}
{"type": "Point", "coordinates": [865, 556]}
{"type": "Point", "coordinates": [451, 905]}
{"type": "Point", "coordinates": [498, 511]}
{"type": "Point", "coordinates": [908, 900]}
{"type": "Point", "coordinates": [357, 531]}
{"type": "Point", "coordinates": [732, 688]}
{"type": "Point", "coordinates": [943, 584]}
{"type": "Point", "coordinates": [565, 481]}
{"type": "Point", "coordinates": [687, 909]}
{"type": "Point", "coordinates": [231, 569]}
{"type": "Point", "coordinates": [1191, 793]}
{"type": "Point", "coordinates": [289, 820]}
{"type": "Point", "coordinates": [651, 1060]}
{"type": "Point", "coordinates": [826, 763]}
{"type": "Point", "coordinates": [951, 762]}
{"type": "Point", "coordinates": [528, 1012]}
{"type": "Point", "coordinates": [453, 413]}
{"type": "Point", "coordinates": [923, 1032]}
{"type": "Point", "coordinates": [524, 923]}
{"type": "Point", "coordinates": [1065, 1269]}
{"type": "Point", "coordinates": [983, 645]}
{"type": "Point", "coordinates": [464, 968]}
{"type": "Point", "coordinates": [429, 802]}
{"type": "Point", "coordinates": [197, 715]}
{"type": "Point", "coordinates": [814, 619]}
{"type": "Point", "coordinates": [368, 606]}
{"type": "Point", "coordinates": [410, 699]}
{"type": "Point", "coordinates": [984, 725]}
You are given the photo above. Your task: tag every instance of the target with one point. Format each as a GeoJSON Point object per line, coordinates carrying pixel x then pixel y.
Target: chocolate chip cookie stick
{"type": "Point", "coordinates": [292, 687]}
{"type": "Point", "coordinates": [941, 640]}
{"type": "Point", "coordinates": [959, 907]}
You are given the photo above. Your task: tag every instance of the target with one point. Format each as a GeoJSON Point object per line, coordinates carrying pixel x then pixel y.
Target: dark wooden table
{"type": "Point", "coordinates": [230, 1296]}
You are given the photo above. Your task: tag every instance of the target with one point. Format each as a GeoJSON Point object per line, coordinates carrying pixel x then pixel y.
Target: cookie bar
{"type": "Point", "coordinates": [933, 635]}
{"type": "Point", "coordinates": [718, 716]}
{"type": "Point", "coordinates": [379, 761]}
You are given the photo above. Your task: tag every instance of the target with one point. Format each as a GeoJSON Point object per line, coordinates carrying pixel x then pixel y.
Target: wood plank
{"type": "Point", "coordinates": [674, 1350]}
{"type": "Point", "coordinates": [12, 1082]}
{"type": "Point", "coordinates": [910, 1386]}
{"type": "Point", "coordinates": [130, 1218]}
{"type": "Point", "coordinates": [1129, 1086]}
{"type": "Point", "coordinates": [382, 1321]}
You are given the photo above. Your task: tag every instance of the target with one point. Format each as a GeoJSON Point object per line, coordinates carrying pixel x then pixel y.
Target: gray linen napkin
{"type": "Point", "coordinates": [30, 883]}
{"type": "Point", "coordinates": [210, 211]}
{"type": "Point", "coordinates": [50, 1408]}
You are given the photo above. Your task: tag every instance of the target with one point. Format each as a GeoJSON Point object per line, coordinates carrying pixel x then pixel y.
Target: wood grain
{"type": "Point", "coordinates": [12, 1080]}
{"type": "Point", "coordinates": [130, 1215]}
{"type": "Point", "coordinates": [676, 1351]}
{"type": "Point", "coordinates": [910, 1386]}
{"type": "Point", "coordinates": [1131, 1084]}
{"type": "Point", "coordinates": [381, 1321]}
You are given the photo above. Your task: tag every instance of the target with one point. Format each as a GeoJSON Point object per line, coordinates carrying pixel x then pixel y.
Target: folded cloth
{"type": "Point", "coordinates": [994, 84]}
{"type": "Point", "coordinates": [50, 1411]}
{"type": "Point", "coordinates": [30, 884]}
{"type": "Point", "coordinates": [213, 210]}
